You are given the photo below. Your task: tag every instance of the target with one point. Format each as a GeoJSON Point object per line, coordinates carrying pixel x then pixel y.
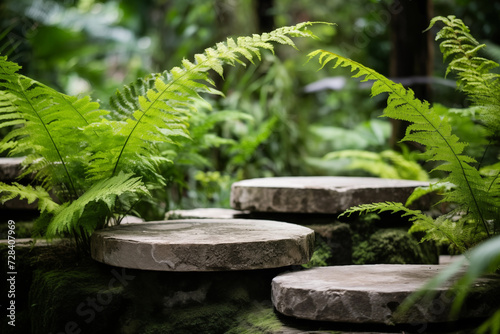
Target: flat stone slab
{"type": "Point", "coordinates": [372, 293]}
{"type": "Point", "coordinates": [10, 168]}
{"type": "Point", "coordinates": [203, 245]}
{"type": "Point", "coordinates": [317, 194]}
{"type": "Point", "coordinates": [203, 213]}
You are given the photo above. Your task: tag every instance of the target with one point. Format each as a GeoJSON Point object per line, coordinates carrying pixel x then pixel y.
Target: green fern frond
{"type": "Point", "coordinates": [159, 110]}
{"type": "Point", "coordinates": [474, 73]}
{"type": "Point", "coordinates": [51, 128]}
{"type": "Point", "coordinates": [440, 229]}
{"type": "Point", "coordinates": [9, 115]}
{"type": "Point", "coordinates": [422, 191]}
{"type": "Point", "coordinates": [432, 131]}
{"type": "Point", "coordinates": [386, 164]}
{"type": "Point", "coordinates": [68, 218]}
{"type": "Point", "coordinates": [393, 207]}
{"type": "Point", "coordinates": [11, 191]}
{"type": "Point", "coordinates": [88, 157]}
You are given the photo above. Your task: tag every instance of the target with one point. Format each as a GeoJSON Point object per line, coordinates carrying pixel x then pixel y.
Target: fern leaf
{"type": "Point", "coordinates": [430, 130]}
{"type": "Point", "coordinates": [386, 164]}
{"type": "Point", "coordinates": [422, 191]}
{"type": "Point", "coordinates": [440, 229]}
{"type": "Point", "coordinates": [45, 201]}
{"type": "Point", "coordinates": [67, 218]}
{"type": "Point", "coordinates": [160, 110]}
{"type": "Point", "coordinates": [473, 72]}
{"type": "Point", "coordinates": [51, 128]}
{"type": "Point", "coordinates": [393, 207]}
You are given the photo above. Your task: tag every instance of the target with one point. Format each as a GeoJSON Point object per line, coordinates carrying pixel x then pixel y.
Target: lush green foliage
{"type": "Point", "coordinates": [98, 163]}
{"type": "Point", "coordinates": [475, 195]}
{"type": "Point", "coordinates": [387, 164]}
{"type": "Point", "coordinates": [471, 190]}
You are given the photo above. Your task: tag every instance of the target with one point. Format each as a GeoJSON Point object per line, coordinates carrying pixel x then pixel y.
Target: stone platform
{"type": "Point", "coordinates": [10, 171]}
{"type": "Point", "coordinates": [205, 213]}
{"type": "Point", "coordinates": [203, 245]}
{"type": "Point", "coordinates": [324, 195]}
{"type": "Point", "coordinates": [10, 168]}
{"type": "Point", "coordinates": [372, 293]}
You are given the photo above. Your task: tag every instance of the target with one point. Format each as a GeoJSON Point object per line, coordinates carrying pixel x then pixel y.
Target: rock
{"type": "Point", "coordinates": [203, 245]}
{"type": "Point", "coordinates": [395, 246]}
{"type": "Point", "coordinates": [129, 219]}
{"type": "Point", "coordinates": [204, 213]}
{"type": "Point", "coordinates": [60, 291]}
{"type": "Point", "coordinates": [372, 293]}
{"type": "Point", "coordinates": [17, 209]}
{"type": "Point", "coordinates": [317, 194]}
{"type": "Point", "coordinates": [337, 239]}
{"type": "Point", "coordinates": [10, 168]}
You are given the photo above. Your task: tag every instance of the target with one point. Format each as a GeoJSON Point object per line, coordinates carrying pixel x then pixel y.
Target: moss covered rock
{"type": "Point", "coordinates": [394, 246]}
{"type": "Point", "coordinates": [333, 244]}
{"type": "Point", "coordinates": [73, 299]}
{"type": "Point", "coordinates": [257, 320]}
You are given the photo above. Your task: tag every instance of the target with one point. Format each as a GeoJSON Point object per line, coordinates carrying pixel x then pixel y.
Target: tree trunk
{"type": "Point", "coordinates": [411, 53]}
{"type": "Point", "coordinates": [265, 17]}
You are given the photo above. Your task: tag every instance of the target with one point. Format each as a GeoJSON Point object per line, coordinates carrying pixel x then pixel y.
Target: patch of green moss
{"type": "Point", "coordinates": [320, 256]}
{"type": "Point", "coordinates": [75, 297]}
{"type": "Point", "coordinates": [23, 230]}
{"type": "Point", "coordinates": [64, 288]}
{"type": "Point", "coordinates": [259, 319]}
{"type": "Point", "coordinates": [203, 319]}
{"type": "Point", "coordinates": [394, 246]}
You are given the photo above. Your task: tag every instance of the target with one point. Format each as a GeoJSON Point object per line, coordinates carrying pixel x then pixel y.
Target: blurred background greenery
{"type": "Point", "coordinates": [279, 118]}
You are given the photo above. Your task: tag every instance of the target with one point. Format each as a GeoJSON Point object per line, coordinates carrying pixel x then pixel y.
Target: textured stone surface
{"type": "Point", "coordinates": [372, 293]}
{"type": "Point", "coordinates": [316, 194]}
{"type": "Point", "coordinates": [202, 213]}
{"type": "Point", "coordinates": [10, 170]}
{"type": "Point", "coordinates": [129, 219]}
{"type": "Point", "coordinates": [337, 237]}
{"type": "Point", "coordinates": [203, 245]}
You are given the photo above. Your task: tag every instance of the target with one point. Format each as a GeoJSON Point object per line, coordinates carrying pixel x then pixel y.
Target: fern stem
{"type": "Point", "coordinates": [149, 108]}
{"type": "Point", "coordinates": [73, 189]}
{"type": "Point", "coordinates": [226, 54]}
{"type": "Point", "coordinates": [55, 92]}
{"type": "Point", "coordinates": [486, 84]}
{"type": "Point", "coordinates": [144, 114]}
{"type": "Point", "coordinates": [476, 205]}
{"type": "Point", "coordinates": [484, 154]}
{"type": "Point", "coordinates": [471, 65]}
{"type": "Point", "coordinates": [493, 181]}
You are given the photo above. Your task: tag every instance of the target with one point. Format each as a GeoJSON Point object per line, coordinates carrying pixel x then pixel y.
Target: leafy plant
{"type": "Point", "coordinates": [387, 164]}
{"type": "Point", "coordinates": [472, 190]}
{"type": "Point", "coordinates": [475, 196]}
{"type": "Point", "coordinates": [98, 163]}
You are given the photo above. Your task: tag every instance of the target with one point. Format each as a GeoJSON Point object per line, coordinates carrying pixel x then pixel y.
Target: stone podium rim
{"type": "Point", "coordinates": [253, 245]}
{"type": "Point", "coordinates": [371, 294]}
{"type": "Point", "coordinates": [317, 194]}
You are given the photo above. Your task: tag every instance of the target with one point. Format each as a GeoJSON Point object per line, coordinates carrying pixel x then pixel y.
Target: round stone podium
{"type": "Point", "coordinates": [203, 245]}
{"type": "Point", "coordinates": [364, 294]}
{"type": "Point", "coordinates": [317, 194]}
